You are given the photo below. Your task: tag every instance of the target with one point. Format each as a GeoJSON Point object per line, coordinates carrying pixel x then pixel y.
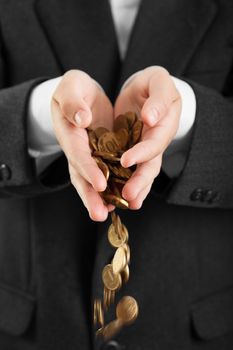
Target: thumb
{"type": "Point", "coordinates": [162, 93]}
{"type": "Point", "coordinates": [76, 111]}
{"type": "Point", "coordinates": [75, 95]}
{"type": "Point", "coordinates": [83, 116]}
{"type": "Point", "coordinates": [153, 110]}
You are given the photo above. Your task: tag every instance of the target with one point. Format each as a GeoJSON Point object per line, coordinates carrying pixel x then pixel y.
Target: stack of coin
{"type": "Point", "coordinates": [107, 148]}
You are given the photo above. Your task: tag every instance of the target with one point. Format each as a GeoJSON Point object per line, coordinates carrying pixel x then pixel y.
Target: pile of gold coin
{"type": "Point", "coordinates": [107, 148]}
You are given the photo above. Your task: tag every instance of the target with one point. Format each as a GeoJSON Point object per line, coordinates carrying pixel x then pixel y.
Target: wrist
{"type": "Point", "coordinates": [40, 128]}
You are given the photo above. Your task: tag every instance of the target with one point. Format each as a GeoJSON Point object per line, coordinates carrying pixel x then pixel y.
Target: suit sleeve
{"type": "Point", "coordinates": [17, 169]}
{"type": "Point", "coordinates": [207, 178]}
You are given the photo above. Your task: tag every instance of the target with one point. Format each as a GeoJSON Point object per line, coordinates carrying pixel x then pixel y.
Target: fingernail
{"type": "Point", "coordinates": [130, 163]}
{"type": "Point", "coordinates": [127, 164]}
{"type": "Point", "coordinates": [153, 116]}
{"type": "Point", "coordinates": [79, 118]}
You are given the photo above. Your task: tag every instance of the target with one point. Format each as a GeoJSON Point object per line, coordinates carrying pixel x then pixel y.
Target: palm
{"type": "Point", "coordinates": [144, 153]}
{"type": "Point", "coordinates": [102, 115]}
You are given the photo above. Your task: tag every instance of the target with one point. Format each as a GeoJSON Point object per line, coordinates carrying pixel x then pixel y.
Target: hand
{"type": "Point", "coordinates": [152, 94]}
{"type": "Point", "coordinates": [77, 103]}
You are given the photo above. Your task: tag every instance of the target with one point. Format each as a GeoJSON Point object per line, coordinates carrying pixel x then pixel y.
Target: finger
{"type": "Point", "coordinates": [162, 93]}
{"type": "Point", "coordinates": [137, 202]}
{"type": "Point", "coordinates": [110, 207]}
{"type": "Point", "coordinates": [75, 145]}
{"type": "Point", "coordinates": [155, 140]}
{"type": "Point", "coordinates": [75, 95]}
{"type": "Point", "coordinates": [143, 176]}
{"type": "Point", "coordinates": [79, 156]}
{"type": "Point", "coordinates": [91, 199]}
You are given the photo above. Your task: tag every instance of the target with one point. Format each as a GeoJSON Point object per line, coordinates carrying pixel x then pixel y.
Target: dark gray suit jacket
{"type": "Point", "coordinates": [51, 253]}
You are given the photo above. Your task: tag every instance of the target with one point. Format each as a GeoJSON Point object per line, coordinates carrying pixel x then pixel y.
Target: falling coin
{"type": "Point", "coordinates": [111, 280]}
{"type": "Point", "coordinates": [111, 329]}
{"type": "Point", "coordinates": [127, 310]}
{"type": "Point", "coordinates": [125, 274]}
{"type": "Point", "coordinates": [115, 240]}
{"type": "Point", "coordinates": [119, 260]}
{"type": "Point", "coordinates": [116, 201]}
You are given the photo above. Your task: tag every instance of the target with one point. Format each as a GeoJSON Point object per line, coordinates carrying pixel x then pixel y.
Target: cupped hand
{"type": "Point", "coordinates": [150, 93]}
{"type": "Point", "coordinates": [78, 103]}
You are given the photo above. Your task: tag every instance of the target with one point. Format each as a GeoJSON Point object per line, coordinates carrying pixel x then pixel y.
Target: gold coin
{"type": "Point", "coordinates": [114, 239]}
{"type": "Point", "coordinates": [111, 280]}
{"type": "Point", "coordinates": [115, 189]}
{"type": "Point", "coordinates": [95, 312]}
{"type": "Point", "coordinates": [124, 232]}
{"type": "Point", "coordinates": [114, 200]}
{"type": "Point", "coordinates": [92, 140]}
{"type": "Point", "coordinates": [100, 131]}
{"type": "Point", "coordinates": [99, 332]}
{"type": "Point", "coordinates": [136, 132]}
{"type": "Point", "coordinates": [105, 298]}
{"type": "Point", "coordinates": [103, 167]}
{"type": "Point", "coordinates": [111, 329]}
{"type": "Point", "coordinates": [131, 119]}
{"type": "Point", "coordinates": [122, 136]}
{"type": "Point", "coordinates": [121, 229]}
{"type": "Point", "coordinates": [110, 156]}
{"type": "Point", "coordinates": [118, 180]}
{"type": "Point", "coordinates": [127, 310]}
{"type": "Point", "coordinates": [118, 225]}
{"type": "Point", "coordinates": [120, 123]}
{"type": "Point", "coordinates": [108, 298]}
{"type": "Point", "coordinates": [113, 217]}
{"type": "Point", "coordinates": [120, 172]}
{"type": "Point", "coordinates": [108, 142]}
{"type": "Point", "coordinates": [119, 260]}
{"type": "Point", "coordinates": [127, 251]}
{"type": "Point", "coordinates": [112, 297]}
{"type": "Point", "coordinates": [100, 313]}
{"type": "Point", "coordinates": [125, 274]}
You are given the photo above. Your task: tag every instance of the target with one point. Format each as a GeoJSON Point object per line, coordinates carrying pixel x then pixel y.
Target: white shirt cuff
{"type": "Point", "coordinates": [42, 142]}
{"type": "Point", "coordinates": [176, 154]}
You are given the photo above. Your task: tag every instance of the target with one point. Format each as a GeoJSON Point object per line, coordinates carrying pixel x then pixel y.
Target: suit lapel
{"type": "Point", "coordinates": [167, 33]}
{"type": "Point", "coordinates": [82, 36]}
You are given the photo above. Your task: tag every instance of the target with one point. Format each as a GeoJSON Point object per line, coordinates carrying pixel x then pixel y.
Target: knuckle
{"type": "Point", "coordinates": [75, 74]}
{"type": "Point", "coordinates": [162, 72]}
{"type": "Point", "coordinates": [158, 70]}
{"type": "Point", "coordinates": [70, 73]}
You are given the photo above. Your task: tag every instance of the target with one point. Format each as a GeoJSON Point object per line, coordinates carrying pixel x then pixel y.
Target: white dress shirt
{"type": "Point", "coordinates": [43, 145]}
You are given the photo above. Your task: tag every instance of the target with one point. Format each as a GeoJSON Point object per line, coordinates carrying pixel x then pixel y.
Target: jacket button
{"type": "Point", "coordinates": [201, 195]}
{"type": "Point", "coordinates": [209, 196]}
{"type": "Point", "coordinates": [5, 172]}
{"type": "Point", "coordinates": [197, 195]}
{"type": "Point", "coordinates": [112, 345]}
